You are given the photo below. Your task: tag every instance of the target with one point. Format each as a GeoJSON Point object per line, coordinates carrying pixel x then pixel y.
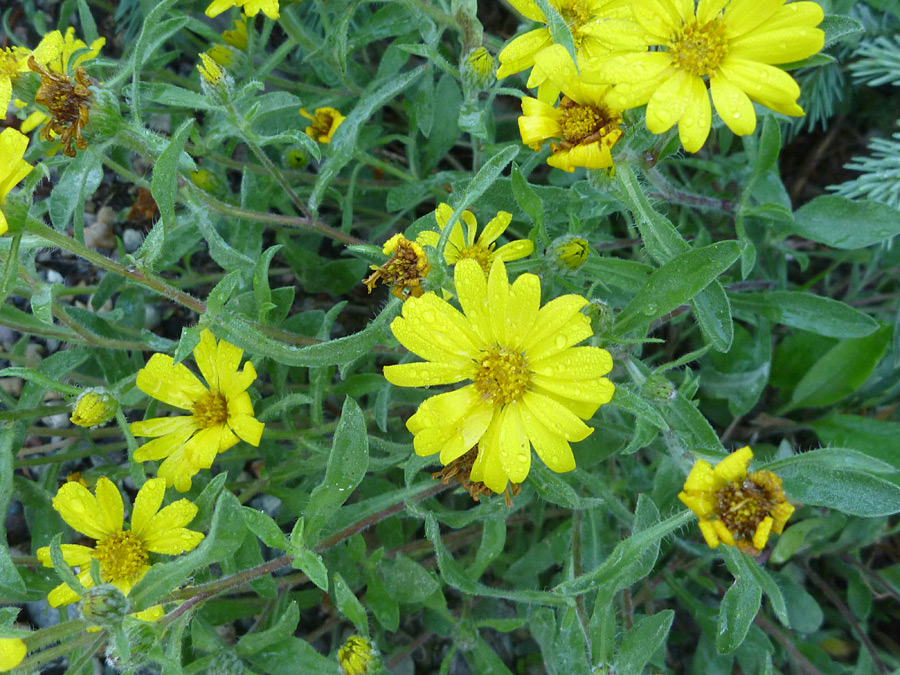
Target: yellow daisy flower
{"type": "Point", "coordinates": [732, 44]}
{"type": "Point", "coordinates": [12, 651]}
{"type": "Point", "coordinates": [461, 246]}
{"type": "Point", "coordinates": [12, 167]}
{"type": "Point", "coordinates": [123, 554]}
{"type": "Point", "coordinates": [585, 123]}
{"type": "Point", "coordinates": [221, 415]}
{"type": "Point", "coordinates": [530, 385]}
{"type": "Point", "coordinates": [584, 19]}
{"type": "Point", "coordinates": [325, 121]}
{"type": "Point", "coordinates": [250, 7]}
{"type": "Point", "coordinates": [735, 507]}
{"type": "Point", "coordinates": [14, 60]}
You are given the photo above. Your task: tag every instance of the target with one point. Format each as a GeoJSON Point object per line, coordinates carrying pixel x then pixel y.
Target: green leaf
{"type": "Point", "coordinates": [284, 627]}
{"type": "Point", "coordinates": [627, 400]}
{"type": "Point", "coordinates": [350, 606]}
{"type": "Point", "coordinates": [556, 490]}
{"type": "Point", "coordinates": [676, 282]}
{"type": "Point", "coordinates": [641, 641]}
{"type": "Point", "coordinates": [261, 289]}
{"type": "Point", "coordinates": [849, 490]}
{"type": "Point", "coordinates": [739, 607]}
{"type": "Point", "coordinates": [347, 465]}
{"type": "Point", "coordinates": [164, 183]}
{"type": "Point", "coordinates": [310, 563]}
{"type": "Point", "coordinates": [559, 28]}
{"type": "Point", "coordinates": [835, 458]}
{"type": "Point", "coordinates": [739, 564]}
{"type": "Point", "coordinates": [838, 27]}
{"type": "Point", "coordinates": [626, 554]}
{"type": "Point", "coordinates": [841, 371]}
{"type": "Point", "coordinates": [292, 655]}
{"type": "Point", "coordinates": [845, 223]}
{"type": "Point", "coordinates": [807, 311]}
{"type": "Point", "coordinates": [78, 182]}
{"type": "Point", "coordinates": [62, 569]}
{"type": "Point", "coordinates": [713, 313]}
{"type": "Point", "coordinates": [265, 528]}
{"type": "Point", "coordinates": [10, 581]}
{"type": "Point", "coordinates": [876, 438]}
{"type": "Point", "coordinates": [528, 201]}
{"type": "Point", "coordinates": [409, 581]}
{"type": "Point", "coordinates": [155, 31]}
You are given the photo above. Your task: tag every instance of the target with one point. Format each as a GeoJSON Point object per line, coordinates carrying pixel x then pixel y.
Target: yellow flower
{"type": "Point", "coordinates": [735, 507]}
{"type": "Point", "coordinates": [569, 252]}
{"type": "Point", "coordinates": [12, 167]}
{"type": "Point", "coordinates": [237, 36]}
{"type": "Point", "coordinates": [585, 21]}
{"type": "Point", "coordinates": [209, 69]}
{"type": "Point", "coordinates": [220, 415]}
{"type": "Point", "coordinates": [405, 269]}
{"type": "Point", "coordinates": [732, 44]}
{"type": "Point", "coordinates": [461, 246]}
{"type": "Point", "coordinates": [14, 60]}
{"type": "Point", "coordinates": [325, 122]}
{"type": "Point", "coordinates": [357, 656]}
{"type": "Point", "coordinates": [530, 385]}
{"type": "Point", "coordinates": [12, 651]}
{"type": "Point", "coordinates": [585, 123]}
{"type": "Point", "coordinates": [122, 554]}
{"type": "Point", "coordinates": [94, 407]}
{"type": "Point", "coordinates": [250, 7]}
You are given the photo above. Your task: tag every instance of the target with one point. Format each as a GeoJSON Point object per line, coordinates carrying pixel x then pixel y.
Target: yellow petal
{"type": "Point", "coordinates": [522, 310]}
{"type": "Point", "coordinates": [433, 329]}
{"type": "Point", "coordinates": [555, 416]}
{"type": "Point", "coordinates": [428, 238]}
{"type": "Point", "coordinates": [216, 7]}
{"type": "Point", "coordinates": [668, 102]}
{"type": "Point", "coordinates": [733, 105]}
{"type": "Point", "coordinates": [514, 250]}
{"type": "Point", "coordinates": [781, 513]}
{"type": "Point", "coordinates": [660, 18]}
{"type": "Point", "coordinates": [177, 470]}
{"type": "Point", "coordinates": [12, 651]}
{"type": "Point", "coordinates": [248, 428]}
{"type": "Point", "coordinates": [778, 46]}
{"type": "Point", "coordinates": [471, 290]}
{"type": "Point", "coordinates": [496, 227]}
{"type": "Point", "coordinates": [694, 126]}
{"type": "Point", "coordinates": [528, 9]}
{"type": "Point", "coordinates": [164, 446]}
{"type": "Point", "coordinates": [160, 426]}
{"type": "Point", "coordinates": [761, 536]}
{"type": "Point", "coordinates": [497, 300]}
{"type": "Point", "coordinates": [170, 383]}
{"type": "Point", "coordinates": [723, 532]}
{"type": "Point", "coordinates": [74, 555]}
{"type": "Point", "coordinates": [109, 501]}
{"type": "Point", "coordinates": [205, 356]}
{"type": "Point", "coordinates": [80, 510]}
{"type": "Point", "coordinates": [487, 467]}
{"type": "Point", "coordinates": [598, 391]}
{"type": "Point", "coordinates": [553, 317]}
{"type": "Point", "coordinates": [702, 478]}
{"type": "Point", "coordinates": [701, 503]}
{"type": "Point", "coordinates": [742, 16]}
{"type": "Point", "coordinates": [519, 54]}
{"type": "Point", "coordinates": [426, 374]}
{"type": "Point", "coordinates": [709, 533]}
{"type": "Point", "coordinates": [552, 448]}
{"type": "Point", "coordinates": [154, 613]}
{"type": "Point", "coordinates": [12, 147]}
{"type": "Point", "coordinates": [162, 531]}
{"type": "Point", "coordinates": [733, 468]}
{"type": "Point", "coordinates": [515, 450]}
{"type": "Point", "coordinates": [146, 504]}
{"type": "Point", "coordinates": [234, 384]}
{"type": "Point", "coordinates": [765, 84]}
{"type": "Point", "coordinates": [576, 329]}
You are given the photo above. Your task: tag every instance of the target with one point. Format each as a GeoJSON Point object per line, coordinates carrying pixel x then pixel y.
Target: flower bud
{"type": "Point", "coordinates": [106, 116]}
{"type": "Point", "coordinates": [93, 408]}
{"type": "Point", "coordinates": [601, 316]}
{"type": "Point", "coordinates": [206, 180]}
{"type": "Point", "coordinates": [358, 656]}
{"type": "Point", "coordinates": [295, 158]}
{"type": "Point", "coordinates": [568, 253]}
{"type": "Point", "coordinates": [478, 69]}
{"type": "Point", "coordinates": [658, 389]}
{"type": "Point", "coordinates": [104, 605]}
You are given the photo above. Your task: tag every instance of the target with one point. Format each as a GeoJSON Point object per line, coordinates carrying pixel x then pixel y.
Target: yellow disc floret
{"type": "Point", "coordinates": [210, 409]}
{"type": "Point", "coordinates": [698, 49]}
{"type": "Point", "coordinates": [502, 376]}
{"type": "Point", "coordinates": [121, 555]}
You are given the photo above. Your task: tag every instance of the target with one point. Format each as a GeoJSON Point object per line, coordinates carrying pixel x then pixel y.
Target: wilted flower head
{"type": "Point", "coordinates": [735, 507]}
{"type": "Point", "coordinates": [404, 270]}
{"type": "Point", "coordinates": [68, 102]}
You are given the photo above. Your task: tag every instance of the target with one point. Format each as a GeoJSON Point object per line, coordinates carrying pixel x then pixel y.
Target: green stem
{"type": "Point", "coordinates": [90, 640]}
{"type": "Point", "coordinates": [45, 636]}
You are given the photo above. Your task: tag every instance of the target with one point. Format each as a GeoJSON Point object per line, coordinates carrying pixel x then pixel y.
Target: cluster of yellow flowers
{"type": "Point", "coordinates": [669, 55]}
{"type": "Point", "coordinates": [530, 384]}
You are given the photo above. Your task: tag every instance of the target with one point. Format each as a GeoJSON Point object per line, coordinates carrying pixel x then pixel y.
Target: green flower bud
{"type": "Point", "coordinates": [601, 316]}
{"type": "Point", "coordinates": [359, 656]}
{"type": "Point", "coordinates": [568, 253]}
{"type": "Point", "coordinates": [658, 389]}
{"type": "Point", "coordinates": [93, 408]}
{"type": "Point", "coordinates": [105, 606]}
{"type": "Point", "coordinates": [295, 158]}
{"type": "Point", "coordinates": [206, 180]}
{"type": "Point", "coordinates": [478, 69]}
{"type": "Point", "coordinates": [105, 117]}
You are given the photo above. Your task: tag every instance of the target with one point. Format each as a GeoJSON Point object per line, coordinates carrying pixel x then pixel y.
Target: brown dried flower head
{"type": "Point", "coordinates": [404, 270]}
{"type": "Point", "coordinates": [68, 103]}
{"type": "Point", "coordinates": [460, 470]}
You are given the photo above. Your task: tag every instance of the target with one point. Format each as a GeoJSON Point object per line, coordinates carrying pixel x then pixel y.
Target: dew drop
{"type": "Point", "coordinates": [429, 316]}
{"type": "Point", "coordinates": [560, 341]}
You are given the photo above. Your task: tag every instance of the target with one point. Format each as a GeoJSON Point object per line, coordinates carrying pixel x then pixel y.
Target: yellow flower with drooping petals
{"type": "Point", "coordinates": [530, 385]}
{"type": "Point", "coordinates": [12, 651]}
{"type": "Point", "coordinates": [585, 21]}
{"type": "Point", "coordinates": [735, 507]}
{"type": "Point", "coordinates": [325, 121]}
{"type": "Point", "coordinates": [123, 555]}
{"type": "Point", "coordinates": [584, 123]}
{"type": "Point", "coordinates": [221, 415]}
{"type": "Point", "coordinates": [12, 167]}
{"type": "Point", "coordinates": [461, 246]}
{"type": "Point", "coordinates": [250, 7]}
{"type": "Point", "coordinates": [734, 45]}
{"type": "Point", "coordinates": [14, 61]}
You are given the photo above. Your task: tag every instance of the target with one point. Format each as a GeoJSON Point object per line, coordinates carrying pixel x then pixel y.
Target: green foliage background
{"type": "Point", "coordinates": [746, 302]}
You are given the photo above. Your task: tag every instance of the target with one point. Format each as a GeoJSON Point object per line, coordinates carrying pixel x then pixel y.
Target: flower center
{"type": "Point", "coordinates": [743, 506]}
{"type": "Point", "coordinates": [584, 123]}
{"type": "Point", "coordinates": [698, 49]}
{"type": "Point", "coordinates": [479, 253]}
{"type": "Point", "coordinates": [121, 556]}
{"type": "Point", "coordinates": [575, 13]}
{"type": "Point", "coordinates": [210, 409]}
{"type": "Point", "coordinates": [321, 122]}
{"type": "Point", "coordinates": [502, 376]}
